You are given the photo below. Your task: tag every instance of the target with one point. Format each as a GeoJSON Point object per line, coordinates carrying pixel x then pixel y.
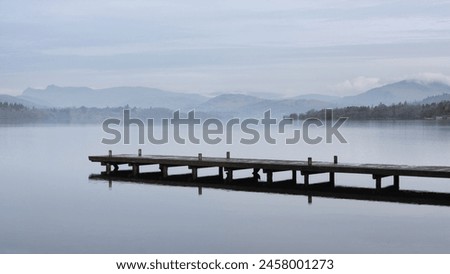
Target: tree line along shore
{"type": "Point", "coordinates": [400, 111]}
{"type": "Point", "coordinates": [14, 113]}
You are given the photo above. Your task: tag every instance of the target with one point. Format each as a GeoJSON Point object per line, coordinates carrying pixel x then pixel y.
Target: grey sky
{"type": "Point", "coordinates": [282, 46]}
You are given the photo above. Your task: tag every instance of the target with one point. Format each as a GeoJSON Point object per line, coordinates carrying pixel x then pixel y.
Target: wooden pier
{"type": "Point", "coordinates": [227, 165]}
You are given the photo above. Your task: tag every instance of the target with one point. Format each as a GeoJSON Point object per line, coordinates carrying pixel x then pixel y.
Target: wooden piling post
{"type": "Point", "coordinates": [309, 161]}
{"type": "Point", "coordinates": [200, 157]}
{"type": "Point", "coordinates": [229, 178]}
{"type": "Point", "coordinates": [294, 176]}
{"type": "Point", "coordinates": [135, 170]}
{"type": "Point", "coordinates": [378, 182]}
{"type": "Point", "coordinates": [221, 172]}
{"type": "Point", "coordinates": [164, 170]}
{"type": "Point", "coordinates": [110, 153]}
{"type": "Point", "coordinates": [332, 179]}
{"type": "Point", "coordinates": [309, 199]}
{"type": "Point", "coordinates": [228, 155]}
{"type": "Point", "coordinates": [269, 176]}
{"type": "Point", "coordinates": [194, 173]}
{"type": "Point", "coordinates": [335, 160]}
{"type": "Point", "coordinates": [306, 179]}
{"type": "Point", "coordinates": [108, 168]}
{"type": "Point", "coordinates": [139, 152]}
{"type": "Point", "coordinates": [396, 182]}
{"type": "Point", "coordinates": [255, 174]}
{"type": "Point", "coordinates": [200, 191]}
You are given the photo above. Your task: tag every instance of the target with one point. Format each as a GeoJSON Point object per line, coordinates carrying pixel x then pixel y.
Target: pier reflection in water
{"type": "Point", "coordinates": [324, 190]}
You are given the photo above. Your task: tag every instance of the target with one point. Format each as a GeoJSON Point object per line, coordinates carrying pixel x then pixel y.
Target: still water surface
{"type": "Point", "coordinates": [48, 204]}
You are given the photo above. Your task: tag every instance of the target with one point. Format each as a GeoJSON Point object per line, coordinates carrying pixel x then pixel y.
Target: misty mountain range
{"type": "Point", "coordinates": [225, 104]}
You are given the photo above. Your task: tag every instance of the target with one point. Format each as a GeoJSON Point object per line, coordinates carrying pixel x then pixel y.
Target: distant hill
{"type": "Point", "coordinates": [230, 104]}
{"type": "Point", "coordinates": [15, 100]}
{"type": "Point", "coordinates": [407, 90]}
{"type": "Point", "coordinates": [318, 97]}
{"type": "Point", "coordinates": [281, 107]}
{"type": "Point", "coordinates": [246, 105]}
{"type": "Point", "coordinates": [54, 96]}
{"type": "Point", "coordinates": [226, 105]}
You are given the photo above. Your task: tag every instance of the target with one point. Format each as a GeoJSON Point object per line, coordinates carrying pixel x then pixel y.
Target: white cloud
{"type": "Point", "coordinates": [428, 77]}
{"type": "Point", "coordinates": [356, 85]}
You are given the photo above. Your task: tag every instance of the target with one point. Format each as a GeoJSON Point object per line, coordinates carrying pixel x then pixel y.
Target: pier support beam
{"type": "Point", "coordinates": [194, 173]}
{"type": "Point", "coordinates": [221, 172]}
{"type": "Point", "coordinates": [306, 175]}
{"type": "Point", "coordinates": [255, 174]}
{"type": "Point", "coordinates": [378, 183]}
{"type": "Point", "coordinates": [396, 182]}
{"type": "Point", "coordinates": [269, 176]}
{"type": "Point", "coordinates": [332, 179]}
{"type": "Point", "coordinates": [377, 179]}
{"type": "Point", "coordinates": [229, 177]}
{"type": "Point", "coordinates": [135, 170]}
{"type": "Point", "coordinates": [164, 171]}
{"type": "Point", "coordinates": [294, 177]}
{"type": "Point", "coordinates": [306, 179]}
{"type": "Point", "coordinates": [110, 168]}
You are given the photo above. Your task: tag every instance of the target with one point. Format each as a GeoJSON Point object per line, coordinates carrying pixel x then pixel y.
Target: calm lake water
{"type": "Point", "coordinates": [49, 205]}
